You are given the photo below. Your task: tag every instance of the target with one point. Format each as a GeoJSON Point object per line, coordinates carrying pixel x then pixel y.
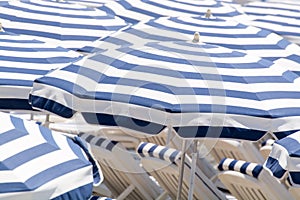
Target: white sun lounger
{"type": "Point", "coordinates": [122, 173]}
{"type": "Point", "coordinates": [249, 181]}
{"type": "Point", "coordinates": [163, 164]}
{"type": "Point", "coordinates": [226, 148]}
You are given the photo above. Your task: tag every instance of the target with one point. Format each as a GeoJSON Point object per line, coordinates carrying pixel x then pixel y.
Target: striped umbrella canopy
{"type": "Point", "coordinates": [23, 60]}
{"type": "Point", "coordinates": [91, 3]}
{"type": "Point", "coordinates": [134, 11]}
{"type": "Point", "coordinates": [284, 158]}
{"type": "Point", "coordinates": [281, 18]}
{"type": "Point", "coordinates": [36, 163]}
{"type": "Point", "coordinates": [200, 90]}
{"type": "Point", "coordinates": [216, 31]}
{"type": "Point", "coordinates": [62, 23]}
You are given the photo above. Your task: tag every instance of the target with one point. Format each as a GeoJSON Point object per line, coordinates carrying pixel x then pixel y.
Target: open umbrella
{"type": "Point", "coordinates": [216, 31]}
{"type": "Point", "coordinates": [23, 60]}
{"type": "Point", "coordinates": [134, 11]}
{"type": "Point", "coordinates": [199, 90]}
{"type": "Point", "coordinates": [65, 24]}
{"type": "Point", "coordinates": [284, 158]}
{"type": "Point", "coordinates": [281, 18]}
{"type": "Point", "coordinates": [178, 84]}
{"type": "Point", "coordinates": [36, 163]}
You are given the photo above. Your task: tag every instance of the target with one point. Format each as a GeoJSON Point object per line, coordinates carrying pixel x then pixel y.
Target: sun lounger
{"type": "Point", "coordinates": [122, 173]}
{"type": "Point", "coordinates": [163, 164]}
{"type": "Point", "coordinates": [248, 181]}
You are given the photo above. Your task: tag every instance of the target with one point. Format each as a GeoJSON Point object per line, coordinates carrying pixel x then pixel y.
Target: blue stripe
{"type": "Point", "coordinates": [185, 132]}
{"type": "Point", "coordinates": [269, 7]}
{"type": "Point", "coordinates": [134, 124]}
{"type": "Point", "coordinates": [215, 23]}
{"type": "Point", "coordinates": [53, 35]}
{"type": "Point", "coordinates": [27, 155]}
{"type": "Point", "coordinates": [219, 132]}
{"type": "Point", "coordinates": [231, 165]}
{"type": "Point", "coordinates": [256, 171]}
{"type": "Point", "coordinates": [244, 168]}
{"type": "Point", "coordinates": [173, 156]}
{"type": "Point", "coordinates": [52, 4]}
{"type": "Point", "coordinates": [15, 82]}
{"type": "Point", "coordinates": [151, 36]}
{"type": "Point", "coordinates": [23, 70]}
{"type": "Point", "coordinates": [140, 149]}
{"type": "Point", "coordinates": [295, 176]}
{"type": "Point", "coordinates": [14, 104]}
{"type": "Point", "coordinates": [152, 149]}
{"type": "Point", "coordinates": [162, 153]}
{"type": "Point", "coordinates": [83, 192]}
{"type": "Point", "coordinates": [61, 24]}
{"type": "Point", "coordinates": [43, 177]}
{"type": "Point", "coordinates": [15, 133]}
{"type": "Point", "coordinates": [233, 13]}
{"type": "Point", "coordinates": [291, 145]}
{"type": "Point", "coordinates": [32, 10]}
{"type": "Point", "coordinates": [111, 145]}
{"type": "Point", "coordinates": [220, 165]}
{"type": "Point", "coordinates": [275, 167]}
{"type": "Point", "coordinates": [234, 35]}
{"type": "Point", "coordinates": [52, 106]}
{"type": "Point", "coordinates": [128, 6]}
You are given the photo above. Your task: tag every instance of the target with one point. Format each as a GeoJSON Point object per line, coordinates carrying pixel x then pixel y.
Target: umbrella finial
{"type": "Point", "coordinates": [208, 13]}
{"type": "Point", "coordinates": [196, 37]}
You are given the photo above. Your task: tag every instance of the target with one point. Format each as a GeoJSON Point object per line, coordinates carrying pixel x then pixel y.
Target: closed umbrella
{"type": "Point", "coordinates": [36, 163]}
{"type": "Point", "coordinates": [62, 23]}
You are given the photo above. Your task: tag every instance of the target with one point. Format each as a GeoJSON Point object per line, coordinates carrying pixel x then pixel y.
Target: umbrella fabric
{"type": "Point", "coordinates": [195, 88]}
{"type": "Point", "coordinates": [285, 158]}
{"type": "Point", "coordinates": [216, 31]}
{"type": "Point", "coordinates": [134, 11]}
{"type": "Point", "coordinates": [36, 163]}
{"type": "Point", "coordinates": [91, 3]}
{"type": "Point", "coordinates": [22, 61]}
{"type": "Point", "coordinates": [281, 18]}
{"type": "Point", "coordinates": [65, 24]}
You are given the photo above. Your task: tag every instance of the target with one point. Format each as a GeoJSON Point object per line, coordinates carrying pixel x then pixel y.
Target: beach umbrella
{"type": "Point", "coordinates": [36, 163]}
{"type": "Point", "coordinates": [199, 90]}
{"type": "Point", "coordinates": [284, 158]}
{"type": "Point", "coordinates": [62, 23]}
{"type": "Point", "coordinates": [216, 31]}
{"type": "Point", "coordinates": [134, 11]}
{"type": "Point", "coordinates": [23, 60]}
{"type": "Point", "coordinates": [282, 18]}
{"type": "Point", "coordinates": [91, 3]}
{"type": "Point", "coordinates": [181, 84]}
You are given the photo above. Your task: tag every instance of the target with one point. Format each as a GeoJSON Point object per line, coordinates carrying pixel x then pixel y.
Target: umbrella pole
{"type": "Point", "coordinates": [169, 134]}
{"type": "Point", "coordinates": [193, 170]}
{"type": "Point", "coordinates": [181, 171]}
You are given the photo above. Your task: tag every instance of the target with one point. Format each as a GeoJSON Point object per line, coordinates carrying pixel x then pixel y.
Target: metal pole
{"type": "Point", "coordinates": [169, 134]}
{"type": "Point", "coordinates": [181, 171]}
{"type": "Point", "coordinates": [193, 169]}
